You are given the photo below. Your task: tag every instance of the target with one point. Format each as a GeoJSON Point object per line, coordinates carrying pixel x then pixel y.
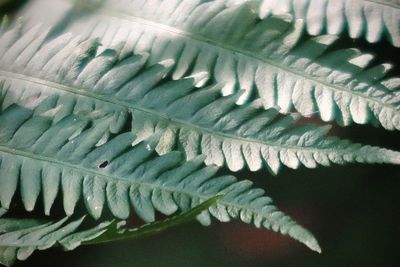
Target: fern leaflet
{"type": "Point", "coordinates": [372, 18]}
{"type": "Point", "coordinates": [74, 77]}
{"type": "Point", "coordinates": [75, 162]}
{"type": "Point", "coordinates": [19, 238]}
{"type": "Point", "coordinates": [266, 58]}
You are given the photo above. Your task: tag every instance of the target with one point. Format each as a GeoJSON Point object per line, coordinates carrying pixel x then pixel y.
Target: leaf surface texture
{"type": "Point", "coordinates": [67, 76]}
{"type": "Point", "coordinates": [268, 58]}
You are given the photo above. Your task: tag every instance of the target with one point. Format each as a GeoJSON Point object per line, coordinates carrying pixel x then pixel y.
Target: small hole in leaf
{"type": "Point", "coordinates": [103, 164]}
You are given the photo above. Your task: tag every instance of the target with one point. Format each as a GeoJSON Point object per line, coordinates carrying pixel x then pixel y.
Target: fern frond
{"type": "Point", "coordinates": [19, 238]}
{"type": "Point", "coordinates": [40, 156]}
{"type": "Point", "coordinates": [75, 77]}
{"type": "Point", "coordinates": [370, 18]}
{"type": "Point", "coordinates": [266, 58]}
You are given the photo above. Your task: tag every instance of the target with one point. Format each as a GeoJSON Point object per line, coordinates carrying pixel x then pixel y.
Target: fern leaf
{"type": "Point", "coordinates": [19, 238]}
{"type": "Point", "coordinates": [266, 58]}
{"type": "Point", "coordinates": [372, 18]}
{"type": "Point", "coordinates": [199, 121]}
{"type": "Point", "coordinates": [120, 176]}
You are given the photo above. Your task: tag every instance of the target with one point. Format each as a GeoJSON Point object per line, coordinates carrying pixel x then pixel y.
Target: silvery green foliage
{"type": "Point", "coordinates": [370, 18]}
{"type": "Point", "coordinates": [41, 156]}
{"type": "Point", "coordinates": [118, 105]}
{"type": "Point", "coordinates": [73, 76]}
{"type": "Point", "coordinates": [265, 58]}
{"type": "Point", "coordinates": [19, 238]}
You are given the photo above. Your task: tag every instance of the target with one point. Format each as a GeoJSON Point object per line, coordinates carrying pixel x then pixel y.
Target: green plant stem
{"type": "Point", "coordinates": [115, 234]}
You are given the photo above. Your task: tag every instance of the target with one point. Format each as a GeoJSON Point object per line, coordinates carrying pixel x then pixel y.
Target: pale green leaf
{"type": "Point", "coordinates": [119, 175]}
{"type": "Point", "coordinates": [373, 19]}
{"type": "Point", "coordinates": [198, 121]}
{"type": "Point", "coordinates": [266, 58]}
{"type": "Point", "coordinates": [19, 238]}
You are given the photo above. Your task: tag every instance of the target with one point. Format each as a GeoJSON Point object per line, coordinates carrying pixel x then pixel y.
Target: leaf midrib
{"type": "Point", "coordinates": [64, 164]}
{"type": "Point", "coordinates": [245, 53]}
{"type": "Point", "coordinates": [112, 101]}
{"type": "Point", "coordinates": [83, 170]}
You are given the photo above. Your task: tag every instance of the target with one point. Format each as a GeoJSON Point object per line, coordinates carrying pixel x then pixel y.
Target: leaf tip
{"type": "Point", "coordinates": [313, 245]}
{"type": "Point", "coordinates": [306, 237]}
{"type": "Point", "coordinates": [200, 78]}
{"type": "Point", "coordinates": [167, 63]}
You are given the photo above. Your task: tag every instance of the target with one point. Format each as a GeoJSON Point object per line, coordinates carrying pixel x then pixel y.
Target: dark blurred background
{"type": "Point", "coordinates": [353, 211]}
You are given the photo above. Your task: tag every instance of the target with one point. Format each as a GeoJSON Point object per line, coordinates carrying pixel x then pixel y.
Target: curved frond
{"type": "Point", "coordinates": [118, 230]}
{"type": "Point", "coordinates": [19, 238]}
{"type": "Point", "coordinates": [266, 58]}
{"type": "Point", "coordinates": [43, 157]}
{"type": "Point", "coordinates": [73, 77]}
{"type": "Point", "coordinates": [370, 18]}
